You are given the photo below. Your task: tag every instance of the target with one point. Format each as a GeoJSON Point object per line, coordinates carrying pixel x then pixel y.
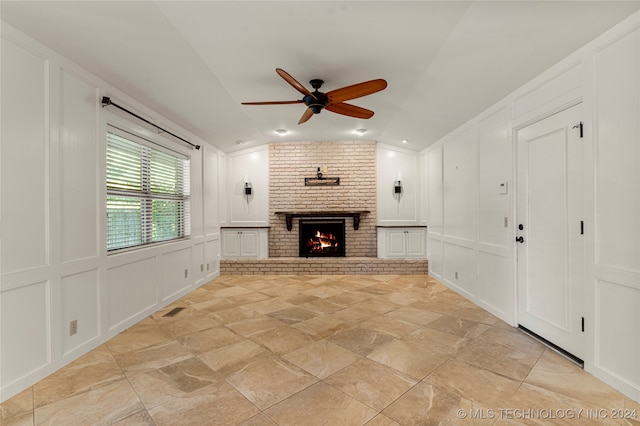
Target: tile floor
{"type": "Point", "coordinates": [331, 350]}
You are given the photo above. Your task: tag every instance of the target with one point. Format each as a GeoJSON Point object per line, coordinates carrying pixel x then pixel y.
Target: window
{"type": "Point", "coordinates": [147, 192]}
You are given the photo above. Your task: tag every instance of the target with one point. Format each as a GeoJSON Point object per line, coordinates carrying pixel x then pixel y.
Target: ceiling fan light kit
{"type": "Point", "coordinates": [333, 100]}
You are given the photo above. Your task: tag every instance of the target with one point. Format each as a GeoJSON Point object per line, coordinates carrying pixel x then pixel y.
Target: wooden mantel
{"type": "Point", "coordinates": [354, 214]}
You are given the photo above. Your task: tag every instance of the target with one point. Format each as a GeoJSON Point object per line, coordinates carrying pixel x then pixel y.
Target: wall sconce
{"type": "Point", "coordinates": [397, 184]}
{"type": "Point", "coordinates": [248, 188]}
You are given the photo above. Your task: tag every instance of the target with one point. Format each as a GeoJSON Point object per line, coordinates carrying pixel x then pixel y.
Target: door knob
{"type": "Point", "coordinates": [520, 239]}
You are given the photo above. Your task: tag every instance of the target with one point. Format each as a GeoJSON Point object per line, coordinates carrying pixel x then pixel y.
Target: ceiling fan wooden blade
{"type": "Point", "coordinates": [272, 103]}
{"type": "Point", "coordinates": [306, 116]}
{"type": "Point", "coordinates": [350, 110]}
{"type": "Point", "coordinates": [293, 82]}
{"type": "Point", "coordinates": [356, 90]}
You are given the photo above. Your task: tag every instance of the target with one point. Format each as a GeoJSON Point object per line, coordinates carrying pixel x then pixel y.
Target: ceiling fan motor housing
{"type": "Point", "coordinates": [317, 102]}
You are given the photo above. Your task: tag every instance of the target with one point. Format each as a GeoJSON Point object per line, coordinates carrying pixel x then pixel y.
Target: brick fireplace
{"type": "Point", "coordinates": [354, 162]}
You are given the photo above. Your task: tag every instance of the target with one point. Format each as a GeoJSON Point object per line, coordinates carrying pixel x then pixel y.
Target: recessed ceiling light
{"type": "Point", "coordinates": [281, 132]}
{"type": "Point", "coordinates": [240, 141]}
{"type": "Point", "coordinates": [405, 141]}
{"type": "Point", "coordinates": [361, 131]}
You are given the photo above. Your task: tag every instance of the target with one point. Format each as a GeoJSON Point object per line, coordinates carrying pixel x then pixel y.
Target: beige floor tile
{"type": "Point", "coordinates": [92, 370]}
{"type": "Point", "coordinates": [437, 341]}
{"type": "Point", "coordinates": [181, 326]}
{"type": "Point", "coordinates": [231, 359]}
{"type": "Point", "coordinates": [382, 420]}
{"type": "Point", "coordinates": [458, 326]}
{"type": "Point", "coordinates": [324, 292]}
{"type": "Point", "coordinates": [512, 338]}
{"type": "Point", "coordinates": [252, 326]}
{"type": "Point", "coordinates": [300, 299]}
{"type": "Point", "coordinates": [498, 358]}
{"type": "Point", "coordinates": [18, 404]}
{"type": "Point", "coordinates": [269, 305]}
{"type": "Point", "coordinates": [270, 381]}
{"type": "Point", "coordinates": [258, 420]}
{"type": "Point", "coordinates": [473, 383]}
{"type": "Point", "coordinates": [104, 405]}
{"type": "Point", "coordinates": [322, 326]}
{"type": "Point", "coordinates": [399, 298]}
{"type": "Point", "coordinates": [157, 386]}
{"type": "Point", "coordinates": [353, 315]}
{"type": "Point", "coordinates": [360, 340]}
{"type": "Point", "coordinates": [351, 298]}
{"type": "Point", "coordinates": [142, 335]}
{"type": "Point", "coordinates": [24, 419]}
{"type": "Point", "coordinates": [425, 404]}
{"type": "Point", "coordinates": [153, 357]}
{"type": "Point", "coordinates": [391, 326]}
{"type": "Point", "coordinates": [409, 358]}
{"type": "Point", "coordinates": [555, 373]}
{"type": "Point", "coordinates": [320, 404]}
{"type": "Point", "coordinates": [372, 383]}
{"type": "Point", "coordinates": [229, 291]}
{"type": "Point", "coordinates": [248, 298]}
{"type": "Point", "coordinates": [234, 314]}
{"type": "Point", "coordinates": [459, 310]}
{"type": "Point", "coordinates": [322, 358]}
{"type": "Point", "coordinates": [213, 405]}
{"type": "Point", "coordinates": [293, 315]}
{"type": "Point", "coordinates": [209, 339]}
{"type": "Point", "coordinates": [323, 306]}
{"type": "Point", "coordinates": [413, 315]}
{"type": "Point", "coordinates": [282, 340]}
{"type": "Point", "coordinates": [548, 407]}
{"type": "Point", "coordinates": [213, 304]}
{"type": "Point", "coordinates": [141, 418]}
{"type": "Point", "coordinates": [377, 306]}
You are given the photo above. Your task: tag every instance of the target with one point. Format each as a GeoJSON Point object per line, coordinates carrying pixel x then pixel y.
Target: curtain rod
{"type": "Point", "coordinates": [107, 101]}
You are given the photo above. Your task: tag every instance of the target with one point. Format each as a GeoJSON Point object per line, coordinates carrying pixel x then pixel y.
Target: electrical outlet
{"type": "Point", "coordinates": [73, 327]}
{"type": "Point", "coordinates": [207, 266]}
{"type": "Point", "coordinates": [186, 273]}
{"type": "Point", "coordinates": [456, 274]}
{"type": "Point", "coordinates": [506, 222]}
{"type": "Point", "coordinates": [201, 267]}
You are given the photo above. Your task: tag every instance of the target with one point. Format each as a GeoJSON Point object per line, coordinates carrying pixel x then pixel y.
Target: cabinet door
{"type": "Point", "coordinates": [230, 244]}
{"type": "Point", "coordinates": [415, 240]}
{"type": "Point", "coordinates": [396, 243]}
{"type": "Point", "coordinates": [249, 243]}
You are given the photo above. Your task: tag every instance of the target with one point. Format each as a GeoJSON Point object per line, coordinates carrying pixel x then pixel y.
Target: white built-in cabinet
{"type": "Point", "coordinates": [402, 242]}
{"type": "Point", "coordinates": [245, 243]}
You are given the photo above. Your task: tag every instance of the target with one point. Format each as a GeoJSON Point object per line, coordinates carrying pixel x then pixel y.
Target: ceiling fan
{"type": "Point", "coordinates": [333, 101]}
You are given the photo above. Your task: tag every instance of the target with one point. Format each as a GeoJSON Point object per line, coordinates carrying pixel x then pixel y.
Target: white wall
{"type": "Point", "coordinates": [55, 267]}
{"type": "Point", "coordinates": [398, 209]}
{"type": "Point", "coordinates": [254, 209]}
{"type": "Point", "coordinates": [466, 207]}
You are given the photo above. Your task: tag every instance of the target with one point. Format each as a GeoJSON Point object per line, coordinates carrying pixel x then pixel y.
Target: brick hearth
{"type": "Point", "coordinates": [323, 266]}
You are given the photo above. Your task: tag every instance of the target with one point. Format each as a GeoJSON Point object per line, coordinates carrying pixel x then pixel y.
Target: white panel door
{"type": "Point", "coordinates": [549, 243]}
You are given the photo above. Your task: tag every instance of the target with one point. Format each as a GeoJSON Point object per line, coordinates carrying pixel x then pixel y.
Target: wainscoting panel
{"type": "Point", "coordinates": [25, 346]}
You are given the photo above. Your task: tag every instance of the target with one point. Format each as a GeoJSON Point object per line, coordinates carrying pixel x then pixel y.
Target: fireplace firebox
{"type": "Point", "coordinates": [322, 238]}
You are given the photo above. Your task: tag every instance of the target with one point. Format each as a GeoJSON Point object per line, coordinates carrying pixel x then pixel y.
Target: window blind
{"type": "Point", "coordinates": [147, 193]}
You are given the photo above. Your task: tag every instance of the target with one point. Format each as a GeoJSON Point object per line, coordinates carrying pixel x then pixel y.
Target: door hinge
{"type": "Point", "coordinates": [582, 227]}
{"type": "Point", "coordinates": [581, 127]}
{"type": "Point", "coordinates": [583, 324]}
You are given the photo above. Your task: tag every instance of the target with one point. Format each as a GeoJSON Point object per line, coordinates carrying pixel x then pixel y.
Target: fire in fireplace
{"type": "Point", "coordinates": [321, 237]}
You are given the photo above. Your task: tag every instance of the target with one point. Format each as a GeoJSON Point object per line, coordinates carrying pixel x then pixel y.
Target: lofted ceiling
{"type": "Point", "coordinates": [195, 62]}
